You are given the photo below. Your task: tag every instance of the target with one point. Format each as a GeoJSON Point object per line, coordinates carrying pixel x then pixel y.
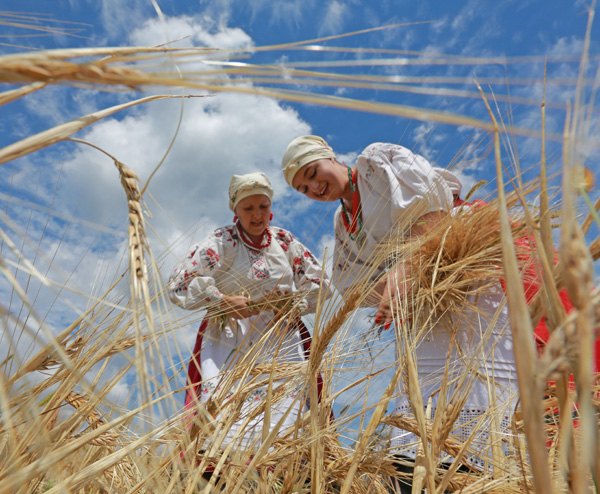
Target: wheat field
{"type": "Point", "coordinates": [60, 430]}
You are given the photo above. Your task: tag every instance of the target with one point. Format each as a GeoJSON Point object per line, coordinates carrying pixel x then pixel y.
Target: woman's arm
{"type": "Point", "coordinates": [192, 284]}
{"type": "Point", "coordinates": [308, 274]}
{"type": "Point", "coordinates": [426, 223]}
{"type": "Point", "coordinates": [393, 286]}
{"type": "Point", "coordinates": [236, 306]}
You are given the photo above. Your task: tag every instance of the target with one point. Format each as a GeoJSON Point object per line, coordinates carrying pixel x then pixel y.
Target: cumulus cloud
{"type": "Point", "coordinates": [336, 13]}
{"type": "Point", "coordinates": [199, 31]}
{"type": "Point", "coordinates": [119, 17]}
{"type": "Point", "coordinates": [219, 135]}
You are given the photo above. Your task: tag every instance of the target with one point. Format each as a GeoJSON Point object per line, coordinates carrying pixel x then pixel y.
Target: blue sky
{"type": "Point", "coordinates": [430, 61]}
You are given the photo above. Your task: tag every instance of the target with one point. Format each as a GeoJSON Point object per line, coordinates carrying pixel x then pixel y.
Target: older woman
{"type": "Point", "coordinates": [387, 189]}
{"type": "Point", "coordinates": [229, 273]}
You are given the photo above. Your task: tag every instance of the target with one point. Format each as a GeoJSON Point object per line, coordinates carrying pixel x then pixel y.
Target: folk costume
{"type": "Point", "coordinates": [228, 262]}
{"type": "Point", "coordinates": [397, 187]}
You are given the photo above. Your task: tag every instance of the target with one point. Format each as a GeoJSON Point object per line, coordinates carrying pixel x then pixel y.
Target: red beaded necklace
{"type": "Point", "coordinates": [351, 227]}
{"type": "Point", "coordinates": [252, 244]}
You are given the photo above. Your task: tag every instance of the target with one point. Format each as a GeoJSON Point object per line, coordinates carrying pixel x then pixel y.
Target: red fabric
{"type": "Point", "coordinates": [351, 226]}
{"type": "Point", "coordinates": [532, 284]}
{"type": "Point", "coordinates": [194, 375]}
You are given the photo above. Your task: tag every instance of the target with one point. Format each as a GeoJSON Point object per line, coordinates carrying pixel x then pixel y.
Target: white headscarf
{"type": "Point", "coordinates": [302, 151]}
{"type": "Point", "coordinates": [242, 186]}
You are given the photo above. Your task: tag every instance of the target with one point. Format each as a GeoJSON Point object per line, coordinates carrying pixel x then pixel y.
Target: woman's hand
{"type": "Point", "coordinates": [285, 310]}
{"type": "Point", "coordinates": [384, 314]}
{"type": "Point", "coordinates": [237, 307]}
{"type": "Point", "coordinates": [393, 286]}
{"type": "Point", "coordinates": [391, 289]}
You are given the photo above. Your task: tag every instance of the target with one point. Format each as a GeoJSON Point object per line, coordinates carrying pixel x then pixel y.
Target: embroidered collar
{"type": "Point", "coordinates": [354, 227]}
{"type": "Point", "coordinates": [266, 240]}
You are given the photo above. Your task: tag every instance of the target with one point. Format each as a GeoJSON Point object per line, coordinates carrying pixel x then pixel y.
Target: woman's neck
{"type": "Point", "coordinates": [257, 240]}
{"type": "Point", "coordinates": [347, 197]}
{"type": "Point", "coordinates": [348, 193]}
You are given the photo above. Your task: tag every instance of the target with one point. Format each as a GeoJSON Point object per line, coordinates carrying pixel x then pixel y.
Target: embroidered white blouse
{"type": "Point", "coordinates": [222, 264]}
{"type": "Point", "coordinates": [396, 188]}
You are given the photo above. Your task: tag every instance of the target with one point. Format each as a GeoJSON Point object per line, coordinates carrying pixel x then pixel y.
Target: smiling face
{"type": "Point", "coordinates": [323, 180]}
{"type": "Point", "coordinates": [254, 212]}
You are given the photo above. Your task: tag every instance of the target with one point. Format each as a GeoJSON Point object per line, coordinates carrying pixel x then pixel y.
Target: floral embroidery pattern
{"type": "Point", "coordinates": [207, 389]}
{"type": "Point", "coordinates": [298, 266]}
{"type": "Point", "coordinates": [309, 257]}
{"type": "Point", "coordinates": [227, 233]}
{"type": "Point", "coordinates": [257, 395]}
{"type": "Point", "coordinates": [210, 258]}
{"type": "Point", "coordinates": [258, 266]}
{"type": "Point", "coordinates": [182, 284]}
{"type": "Point", "coordinates": [284, 239]}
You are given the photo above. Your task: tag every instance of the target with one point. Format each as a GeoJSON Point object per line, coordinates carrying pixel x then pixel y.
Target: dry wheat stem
{"type": "Point", "coordinates": [101, 465]}
{"type": "Point", "coordinates": [14, 94]}
{"type": "Point", "coordinates": [99, 73]}
{"type": "Point", "coordinates": [577, 275]}
{"type": "Point", "coordinates": [368, 432]}
{"type": "Point", "coordinates": [39, 466]}
{"type": "Point", "coordinates": [63, 131]}
{"type": "Point", "coordinates": [523, 343]}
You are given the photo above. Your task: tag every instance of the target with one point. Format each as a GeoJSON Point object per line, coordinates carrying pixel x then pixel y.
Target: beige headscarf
{"type": "Point", "coordinates": [302, 151]}
{"type": "Point", "coordinates": [242, 186]}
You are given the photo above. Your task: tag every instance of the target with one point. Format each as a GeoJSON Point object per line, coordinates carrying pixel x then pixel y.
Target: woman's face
{"type": "Point", "coordinates": [323, 180]}
{"type": "Point", "coordinates": [254, 213]}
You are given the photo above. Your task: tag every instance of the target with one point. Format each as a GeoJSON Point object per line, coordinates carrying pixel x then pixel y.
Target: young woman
{"type": "Point", "coordinates": [390, 189]}
{"type": "Point", "coordinates": [229, 273]}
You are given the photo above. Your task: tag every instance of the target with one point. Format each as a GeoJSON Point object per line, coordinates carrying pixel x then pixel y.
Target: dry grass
{"type": "Point", "coordinates": [59, 431]}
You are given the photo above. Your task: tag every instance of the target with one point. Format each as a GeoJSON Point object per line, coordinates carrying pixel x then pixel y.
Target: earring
{"type": "Point", "coordinates": [271, 217]}
{"type": "Point", "coordinates": [235, 218]}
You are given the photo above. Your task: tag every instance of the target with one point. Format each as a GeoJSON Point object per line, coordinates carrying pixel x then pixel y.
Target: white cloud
{"type": "Point", "coordinates": [421, 135]}
{"type": "Point", "coordinates": [283, 12]}
{"type": "Point", "coordinates": [349, 157]}
{"type": "Point", "coordinates": [118, 17]}
{"type": "Point", "coordinates": [220, 135]}
{"type": "Point", "coordinates": [286, 12]}
{"type": "Point", "coordinates": [439, 24]}
{"type": "Point", "coordinates": [465, 16]}
{"type": "Point", "coordinates": [336, 13]}
{"type": "Point", "coordinates": [199, 31]}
